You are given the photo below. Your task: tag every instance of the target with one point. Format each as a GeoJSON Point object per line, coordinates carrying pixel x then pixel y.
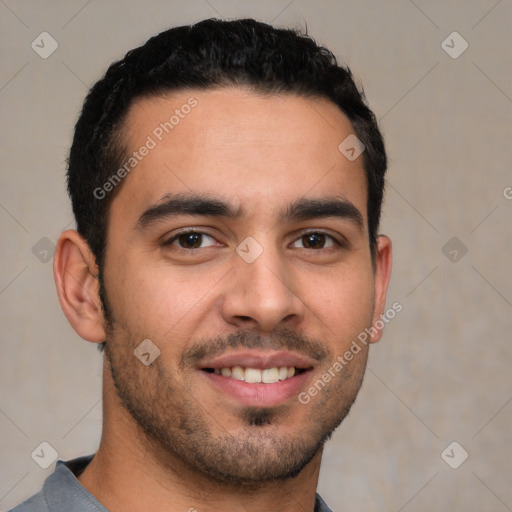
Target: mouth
{"type": "Point", "coordinates": [257, 375]}
{"type": "Point", "coordinates": [255, 378]}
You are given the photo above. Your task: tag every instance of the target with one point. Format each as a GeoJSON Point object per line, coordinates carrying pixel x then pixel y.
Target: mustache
{"type": "Point", "coordinates": [282, 339]}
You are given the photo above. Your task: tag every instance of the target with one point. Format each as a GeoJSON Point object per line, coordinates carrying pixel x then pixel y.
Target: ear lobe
{"type": "Point", "coordinates": [75, 272]}
{"type": "Point", "coordinates": [382, 276]}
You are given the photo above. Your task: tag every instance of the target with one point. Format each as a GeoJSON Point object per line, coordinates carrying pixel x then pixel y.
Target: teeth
{"type": "Point", "coordinates": [270, 375]}
{"type": "Point", "coordinates": [256, 375]}
{"type": "Point", "coordinates": [252, 375]}
{"type": "Point", "coordinates": [237, 372]}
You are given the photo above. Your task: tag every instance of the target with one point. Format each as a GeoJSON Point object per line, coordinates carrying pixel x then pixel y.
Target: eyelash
{"type": "Point", "coordinates": [339, 244]}
{"type": "Point", "coordinates": [186, 232]}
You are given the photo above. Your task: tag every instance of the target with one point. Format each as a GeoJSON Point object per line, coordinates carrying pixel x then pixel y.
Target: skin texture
{"type": "Point", "coordinates": [172, 439]}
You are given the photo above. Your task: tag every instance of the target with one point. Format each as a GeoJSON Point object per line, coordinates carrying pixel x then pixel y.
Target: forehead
{"type": "Point", "coordinates": [238, 145]}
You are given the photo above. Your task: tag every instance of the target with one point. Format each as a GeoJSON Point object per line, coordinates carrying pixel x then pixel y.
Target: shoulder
{"type": "Point", "coordinates": [320, 505]}
{"type": "Point", "coordinates": [61, 491]}
{"type": "Point", "coordinates": [36, 503]}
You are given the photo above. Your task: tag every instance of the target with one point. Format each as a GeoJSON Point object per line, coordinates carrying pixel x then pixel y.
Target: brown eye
{"type": "Point", "coordinates": [315, 240]}
{"type": "Point", "coordinates": [192, 240]}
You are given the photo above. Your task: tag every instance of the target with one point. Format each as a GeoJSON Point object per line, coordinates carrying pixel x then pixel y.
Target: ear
{"type": "Point", "coordinates": [382, 275]}
{"type": "Point", "coordinates": [75, 272]}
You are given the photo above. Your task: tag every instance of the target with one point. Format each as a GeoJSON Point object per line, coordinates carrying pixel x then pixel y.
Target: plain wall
{"type": "Point", "coordinates": [440, 374]}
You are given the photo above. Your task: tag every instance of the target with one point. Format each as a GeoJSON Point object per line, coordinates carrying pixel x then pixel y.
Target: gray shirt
{"type": "Point", "coordinates": [62, 492]}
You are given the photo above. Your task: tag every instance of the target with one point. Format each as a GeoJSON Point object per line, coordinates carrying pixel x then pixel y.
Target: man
{"type": "Point", "coordinates": [227, 181]}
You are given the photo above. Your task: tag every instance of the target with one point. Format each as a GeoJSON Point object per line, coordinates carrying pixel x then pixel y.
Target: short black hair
{"type": "Point", "coordinates": [210, 54]}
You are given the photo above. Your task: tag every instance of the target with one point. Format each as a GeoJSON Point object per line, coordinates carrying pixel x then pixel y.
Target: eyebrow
{"type": "Point", "coordinates": [301, 209]}
{"type": "Point", "coordinates": [174, 205]}
{"type": "Point", "coordinates": [306, 209]}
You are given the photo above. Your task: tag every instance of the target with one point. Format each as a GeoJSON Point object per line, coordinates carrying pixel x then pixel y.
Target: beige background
{"type": "Point", "coordinates": [441, 373]}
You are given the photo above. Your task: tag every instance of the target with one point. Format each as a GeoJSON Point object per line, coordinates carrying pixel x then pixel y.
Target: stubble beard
{"type": "Point", "coordinates": [177, 428]}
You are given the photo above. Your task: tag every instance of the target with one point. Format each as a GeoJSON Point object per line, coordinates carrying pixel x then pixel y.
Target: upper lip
{"type": "Point", "coordinates": [258, 359]}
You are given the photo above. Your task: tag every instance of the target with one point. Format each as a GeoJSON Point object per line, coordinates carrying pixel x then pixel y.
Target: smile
{"type": "Point", "coordinates": [257, 375]}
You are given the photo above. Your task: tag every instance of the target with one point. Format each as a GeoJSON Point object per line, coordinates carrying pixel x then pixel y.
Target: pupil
{"type": "Point", "coordinates": [315, 240]}
{"type": "Point", "coordinates": [190, 240]}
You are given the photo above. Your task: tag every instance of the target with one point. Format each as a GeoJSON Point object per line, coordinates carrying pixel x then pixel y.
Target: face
{"type": "Point", "coordinates": [238, 245]}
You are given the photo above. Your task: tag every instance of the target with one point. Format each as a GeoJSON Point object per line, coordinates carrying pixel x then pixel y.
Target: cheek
{"type": "Point", "coordinates": [163, 300]}
{"type": "Point", "coordinates": [344, 302]}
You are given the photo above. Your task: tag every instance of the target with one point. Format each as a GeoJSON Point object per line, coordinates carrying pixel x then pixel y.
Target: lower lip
{"type": "Point", "coordinates": [259, 395]}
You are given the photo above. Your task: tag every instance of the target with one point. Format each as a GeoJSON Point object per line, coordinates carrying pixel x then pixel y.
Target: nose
{"type": "Point", "coordinates": [260, 295]}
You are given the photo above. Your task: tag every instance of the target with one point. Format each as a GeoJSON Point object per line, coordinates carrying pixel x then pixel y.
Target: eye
{"type": "Point", "coordinates": [192, 240]}
{"type": "Point", "coordinates": [316, 240]}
